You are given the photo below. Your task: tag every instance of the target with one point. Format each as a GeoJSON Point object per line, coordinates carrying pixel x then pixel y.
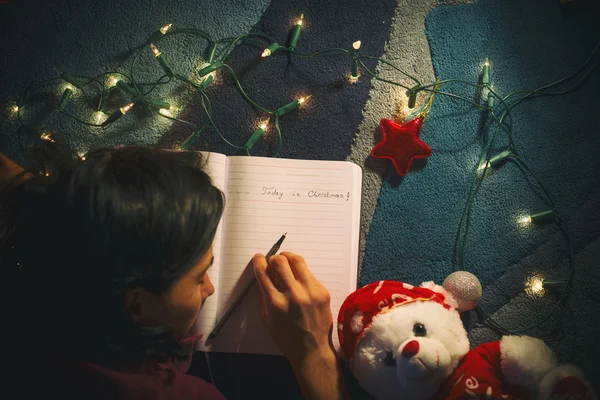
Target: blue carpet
{"type": "Point", "coordinates": [530, 44]}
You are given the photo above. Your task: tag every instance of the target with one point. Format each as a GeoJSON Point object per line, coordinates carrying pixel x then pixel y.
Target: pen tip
{"type": "Point", "coordinates": [285, 234]}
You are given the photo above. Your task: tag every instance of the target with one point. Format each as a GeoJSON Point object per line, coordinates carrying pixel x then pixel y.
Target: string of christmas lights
{"type": "Point", "coordinates": [535, 286]}
{"type": "Point", "coordinates": [214, 57]}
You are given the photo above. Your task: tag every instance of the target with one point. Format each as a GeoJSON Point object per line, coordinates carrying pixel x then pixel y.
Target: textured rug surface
{"type": "Point", "coordinates": [408, 225]}
{"type": "Point", "coordinates": [412, 233]}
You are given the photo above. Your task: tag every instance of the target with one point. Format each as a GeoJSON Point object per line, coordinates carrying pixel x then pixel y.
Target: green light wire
{"type": "Point", "coordinates": [215, 126]}
{"type": "Point", "coordinates": [479, 179]}
{"type": "Point", "coordinates": [244, 94]}
{"type": "Point", "coordinates": [279, 138]}
{"type": "Point", "coordinates": [381, 60]}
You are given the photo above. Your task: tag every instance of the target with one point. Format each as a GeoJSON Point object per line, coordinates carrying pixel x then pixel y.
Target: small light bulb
{"type": "Point", "coordinates": [485, 75]}
{"type": "Point", "coordinates": [302, 100]}
{"type": "Point", "coordinates": [300, 20]}
{"type": "Point", "coordinates": [526, 220]}
{"type": "Point", "coordinates": [273, 47]}
{"type": "Point", "coordinates": [99, 116]}
{"type": "Point", "coordinates": [356, 45]}
{"type": "Point", "coordinates": [112, 81]}
{"type": "Point", "coordinates": [484, 165]}
{"type": "Point", "coordinates": [540, 218]}
{"type": "Point", "coordinates": [534, 285]}
{"type": "Point", "coordinates": [165, 112]}
{"type": "Point", "coordinates": [16, 109]}
{"type": "Point", "coordinates": [263, 126]}
{"type": "Point", "coordinates": [71, 87]}
{"type": "Point", "coordinates": [165, 28]}
{"type": "Point", "coordinates": [126, 108]}
{"type": "Point", "coordinates": [537, 286]}
{"type": "Point", "coordinates": [82, 158]}
{"type": "Point", "coordinates": [155, 50]}
{"type": "Point", "coordinates": [48, 136]}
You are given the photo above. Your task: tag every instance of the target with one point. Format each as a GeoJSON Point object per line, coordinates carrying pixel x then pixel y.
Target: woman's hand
{"type": "Point", "coordinates": [295, 305]}
{"type": "Point", "coordinates": [296, 312]}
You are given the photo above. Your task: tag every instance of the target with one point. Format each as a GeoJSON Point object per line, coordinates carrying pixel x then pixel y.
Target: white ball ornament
{"type": "Point", "coordinates": [465, 288]}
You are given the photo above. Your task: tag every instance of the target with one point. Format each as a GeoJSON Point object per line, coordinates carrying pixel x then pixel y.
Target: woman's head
{"type": "Point", "coordinates": [115, 247]}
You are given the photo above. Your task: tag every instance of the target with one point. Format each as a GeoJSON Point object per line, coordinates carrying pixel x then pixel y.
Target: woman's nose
{"type": "Point", "coordinates": [410, 349]}
{"type": "Point", "coordinates": [210, 289]}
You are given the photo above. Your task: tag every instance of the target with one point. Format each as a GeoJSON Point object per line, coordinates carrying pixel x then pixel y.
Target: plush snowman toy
{"type": "Point", "coordinates": [407, 342]}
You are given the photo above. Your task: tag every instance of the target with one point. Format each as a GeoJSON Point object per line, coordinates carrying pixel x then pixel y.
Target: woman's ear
{"type": "Point", "coordinates": [143, 306]}
{"type": "Point", "coordinates": [133, 306]}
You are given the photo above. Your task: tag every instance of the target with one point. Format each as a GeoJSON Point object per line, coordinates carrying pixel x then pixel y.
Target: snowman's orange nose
{"type": "Point", "coordinates": [410, 349]}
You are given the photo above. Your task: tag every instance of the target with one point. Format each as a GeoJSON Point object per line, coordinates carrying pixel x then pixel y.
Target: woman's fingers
{"type": "Point", "coordinates": [281, 273]}
{"type": "Point", "coordinates": [298, 267]}
{"type": "Point", "coordinates": [259, 263]}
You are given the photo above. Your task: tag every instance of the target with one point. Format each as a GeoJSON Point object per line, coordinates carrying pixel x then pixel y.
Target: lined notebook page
{"type": "Point", "coordinates": [317, 203]}
{"type": "Point", "coordinates": [216, 168]}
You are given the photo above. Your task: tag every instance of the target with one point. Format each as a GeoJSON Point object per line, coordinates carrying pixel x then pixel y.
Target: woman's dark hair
{"type": "Point", "coordinates": [80, 233]}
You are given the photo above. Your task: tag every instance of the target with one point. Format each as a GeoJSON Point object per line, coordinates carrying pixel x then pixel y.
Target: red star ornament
{"type": "Point", "coordinates": [401, 143]}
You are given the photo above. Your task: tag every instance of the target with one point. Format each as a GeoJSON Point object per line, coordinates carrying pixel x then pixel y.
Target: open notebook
{"type": "Point", "coordinates": [316, 202]}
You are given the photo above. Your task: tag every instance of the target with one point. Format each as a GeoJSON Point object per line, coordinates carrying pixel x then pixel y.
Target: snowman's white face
{"type": "Point", "coordinates": [409, 350]}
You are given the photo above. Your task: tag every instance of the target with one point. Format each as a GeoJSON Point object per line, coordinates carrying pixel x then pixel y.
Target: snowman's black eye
{"type": "Point", "coordinates": [389, 359]}
{"type": "Point", "coordinates": [419, 330]}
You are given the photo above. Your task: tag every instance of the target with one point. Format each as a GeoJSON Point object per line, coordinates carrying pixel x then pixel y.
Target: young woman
{"type": "Point", "coordinates": [105, 264]}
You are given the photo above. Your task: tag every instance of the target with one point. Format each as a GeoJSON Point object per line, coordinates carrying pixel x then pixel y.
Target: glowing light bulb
{"type": "Point", "coordinates": [160, 33]}
{"type": "Point", "coordinates": [300, 20]}
{"type": "Point", "coordinates": [99, 115]}
{"type": "Point", "coordinates": [263, 126]}
{"type": "Point", "coordinates": [269, 50]}
{"type": "Point", "coordinates": [495, 161]}
{"type": "Point", "coordinates": [537, 286]}
{"type": "Point", "coordinates": [161, 60]}
{"type": "Point", "coordinates": [538, 218]}
{"type": "Point", "coordinates": [525, 220]}
{"type": "Point", "coordinates": [485, 78]}
{"type": "Point", "coordinates": [155, 50]}
{"type": "Point", "coordinates": [291, 106]}
{"type": "Point", "coordinates": [166, 112]}
{"type": "Point", "coordinates": [356, 45]}
{"type": "Point", "coordinates": [483, 166]}
{"type": "Point", "coordinates": [126, 108]}
{"type": "Point", "coordinates": [165, 28]}
{"type": "Point", "coordinates": [112, 81]}
{"type": "Point", "coordinates": [16, 109]}
{"type": "Point", "coordinates": [48, 136]}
